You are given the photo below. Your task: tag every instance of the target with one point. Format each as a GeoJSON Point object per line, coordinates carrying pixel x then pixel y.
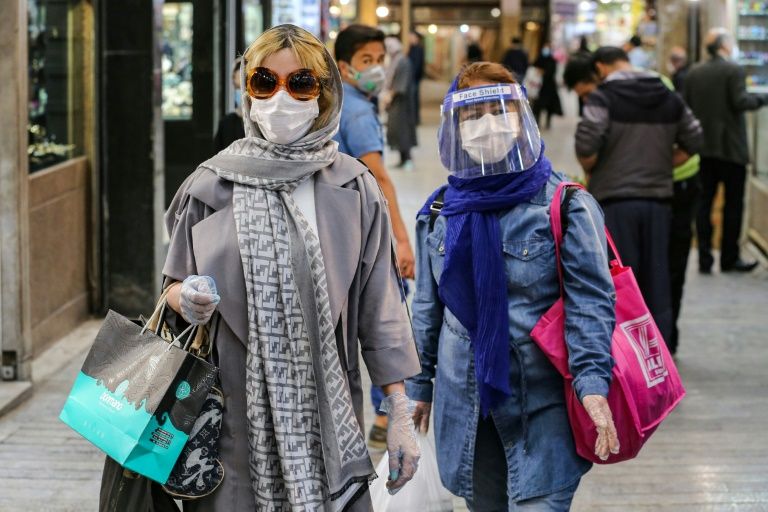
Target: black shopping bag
{"type": "Point", "coordinates": [137, 396]}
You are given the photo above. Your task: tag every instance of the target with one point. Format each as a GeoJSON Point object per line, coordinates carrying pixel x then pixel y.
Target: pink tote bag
{"type": "Point", "coordinates": [646, 385]}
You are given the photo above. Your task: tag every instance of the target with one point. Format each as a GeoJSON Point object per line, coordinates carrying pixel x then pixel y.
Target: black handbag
{"type": "Point", "coordinates": [198, 472]}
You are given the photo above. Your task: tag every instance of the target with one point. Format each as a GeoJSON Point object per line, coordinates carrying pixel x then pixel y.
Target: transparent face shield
{"type": "Point", "coordinates": [488, 130]}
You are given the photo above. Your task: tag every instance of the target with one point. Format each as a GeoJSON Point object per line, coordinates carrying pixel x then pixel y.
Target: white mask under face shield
{"type": "Point", "coordinates": [488, 130]}
{"type": "Point", "coordinates": [490, 138]}
{"type": "Point", "coordinates": [283, 119]}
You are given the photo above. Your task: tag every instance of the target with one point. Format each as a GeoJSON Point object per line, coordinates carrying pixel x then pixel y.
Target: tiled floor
{"type": "Point", "coordinates": [711, 454]}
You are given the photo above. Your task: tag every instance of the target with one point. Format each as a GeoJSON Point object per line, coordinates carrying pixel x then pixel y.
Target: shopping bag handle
{"type": "Point", "coordinates": [153, 323]}
{"type": "Point", "coordinates": [556, 222]}
{"type": "Point", "coordinates": [196, 338]}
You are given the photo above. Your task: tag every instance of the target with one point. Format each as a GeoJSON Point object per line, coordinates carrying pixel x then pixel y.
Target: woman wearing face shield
{"type": "Point", "coordinates": [291, 242]}
{"type": "Point", "coordinates": [486, 273]}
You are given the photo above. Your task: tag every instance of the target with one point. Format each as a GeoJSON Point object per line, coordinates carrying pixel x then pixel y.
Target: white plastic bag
{"type": "Point", "coordinates": [532, 82]}
{"type": "Point", "coordinates": [424, 493]}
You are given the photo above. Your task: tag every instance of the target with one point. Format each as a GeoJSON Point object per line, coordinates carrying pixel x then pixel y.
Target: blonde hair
{"type": "Point", "coordinates": [310, 53]}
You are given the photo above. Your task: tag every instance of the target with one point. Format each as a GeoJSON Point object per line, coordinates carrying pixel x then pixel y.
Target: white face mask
{"type": "Point", "coordinates": [282, 118]}
{"type": "Point", "coordinates": [489, 139]}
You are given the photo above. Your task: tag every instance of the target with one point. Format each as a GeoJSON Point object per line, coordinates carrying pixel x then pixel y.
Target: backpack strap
{"type": "Point", "coordinates": [436, 207]}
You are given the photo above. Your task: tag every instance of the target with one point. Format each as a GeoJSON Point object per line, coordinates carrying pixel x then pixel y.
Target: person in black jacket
{"type": "Point", "coordinates": [516, 59]}
{"type": "Point", "coordinates": [549, 98]}
{"type": "Point", "coordinates": [635, 130]}
{"type": "Point", "coordinates": [416, 56]}
{"type": "Point", "coordinates": [678, 67]}
{"type": "Point", "coordinates": [716, 92]}
{"type": "Point", "coordinates": [231, 125]}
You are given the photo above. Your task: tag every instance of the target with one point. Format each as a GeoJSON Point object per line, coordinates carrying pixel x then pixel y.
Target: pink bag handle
{"type": "Point", "coordinates": [556, 223]}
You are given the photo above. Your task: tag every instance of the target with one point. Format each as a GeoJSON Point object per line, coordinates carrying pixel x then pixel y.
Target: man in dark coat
{"type": "Point", "coordinates": [516, 60]}
{"type": "Point", "coordinates": [678, 67]}
{"type": "Point", "coordinates": [716, 92]}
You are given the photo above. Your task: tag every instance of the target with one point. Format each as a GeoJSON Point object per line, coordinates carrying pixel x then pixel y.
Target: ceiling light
{"type": "Point", "coordinates": [335, 11]}
{"type": "Point", "coordinates": [495, 12]}
{"type": "Point", "coordinates": [464, 28]}
{"type": "Point", "coordinates": [382, 11]}
{"type": "Point", "coordinates": [432, 29]}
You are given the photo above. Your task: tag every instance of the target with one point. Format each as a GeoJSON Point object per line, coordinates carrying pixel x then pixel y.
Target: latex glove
{"type": "Point", "coordinates": [402, 447]}
{"type": "Point", "coordinates": [198, 299]}
{"type": "Point", "coordinates": [421, 416]}
{"type": "Point", "coordinates": [600, 413]}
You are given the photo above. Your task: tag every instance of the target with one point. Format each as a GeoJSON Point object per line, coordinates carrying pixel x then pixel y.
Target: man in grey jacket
{"type": "Point", "coordinates": [635, 130]}
{"type": "Point", "coordinates": [716, 92]}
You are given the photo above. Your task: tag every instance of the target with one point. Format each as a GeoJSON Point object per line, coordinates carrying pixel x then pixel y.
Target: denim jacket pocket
{"type": "Point", "coordinates": [436, 248]}
{"type": "Point", "coordinates": [525, 261]}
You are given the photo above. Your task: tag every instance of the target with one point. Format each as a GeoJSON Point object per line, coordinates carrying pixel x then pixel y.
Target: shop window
{"type": "Point", "coordinates": [56, 74]}
{"type": "Point", "coordinates": [253, 20]}
{"type": "Point", "coordinates": [177, 61]}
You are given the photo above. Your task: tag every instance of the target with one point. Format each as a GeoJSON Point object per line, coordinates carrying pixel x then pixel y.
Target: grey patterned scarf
{"type": "Point", "coordinates": [307, 451]}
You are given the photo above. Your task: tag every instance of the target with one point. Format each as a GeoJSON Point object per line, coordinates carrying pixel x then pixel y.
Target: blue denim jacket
{"type": "Point", "coordinates": [532, 423]}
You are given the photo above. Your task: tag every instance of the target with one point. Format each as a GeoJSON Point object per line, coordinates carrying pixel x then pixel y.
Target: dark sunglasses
{"type": "Point", "coordinates": [302, 84]}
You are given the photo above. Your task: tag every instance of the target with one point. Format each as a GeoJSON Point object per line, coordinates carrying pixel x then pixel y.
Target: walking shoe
{"type": "Point", "coordinates": [377, 438]}
{"type": "Point", "coordinates": [406, 166]}
{"type": "Point", "coordinates": [739, 266]}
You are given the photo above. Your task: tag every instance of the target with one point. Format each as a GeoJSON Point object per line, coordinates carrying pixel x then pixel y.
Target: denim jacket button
{"type": "Point", "coordinates": [441, 248]}
{"type": "Point", "coordinates": [525, 252]}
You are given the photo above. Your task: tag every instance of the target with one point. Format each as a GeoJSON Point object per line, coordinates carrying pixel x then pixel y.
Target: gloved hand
{"type": "Point", "coordinates": [402, 447]}
{"type": "Point", "coordinates": [421, 416]}
{"type": "Point", "coordinates": [198, 299]}
{"type": "Point", "coordinates": [600, 413]}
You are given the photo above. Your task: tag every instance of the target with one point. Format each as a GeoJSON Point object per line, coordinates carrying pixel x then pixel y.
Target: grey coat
{"type": "Point", "coordinates": [717, 93]}
{"type": "Point", "coordinates": [363, 285]}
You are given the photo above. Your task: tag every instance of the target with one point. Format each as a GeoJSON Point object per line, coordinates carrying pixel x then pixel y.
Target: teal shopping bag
{"type": "Point", "coordinates": [138, 395]}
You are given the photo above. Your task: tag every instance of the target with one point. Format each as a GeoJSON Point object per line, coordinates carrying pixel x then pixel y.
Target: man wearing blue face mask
{"type": "Point", "coordinates": [360, 54]}
{"type": "Point", "coordinates": [231, 125]}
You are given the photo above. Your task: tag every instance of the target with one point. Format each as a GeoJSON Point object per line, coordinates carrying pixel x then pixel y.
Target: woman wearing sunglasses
{"type": "Point", "coordinates": [290, 240]}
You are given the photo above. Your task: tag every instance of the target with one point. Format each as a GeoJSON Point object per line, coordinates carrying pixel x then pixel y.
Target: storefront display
{"type": "Point", "coordinates": [752, 42]}
{"type": "Point", "coordinates": [177, 60]}
{"type": "Point", "coordinates": [54, 118]}
{"type": "Point", "coordinates": [752, 35]}
{"type": "Point", "coordinates": [304, 13]}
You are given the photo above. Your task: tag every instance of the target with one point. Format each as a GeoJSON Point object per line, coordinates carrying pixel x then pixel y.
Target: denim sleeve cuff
{"type": "Point", "coordinates": [590, 385]}
{"type": "Point", "coordinates": [419, 390]}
